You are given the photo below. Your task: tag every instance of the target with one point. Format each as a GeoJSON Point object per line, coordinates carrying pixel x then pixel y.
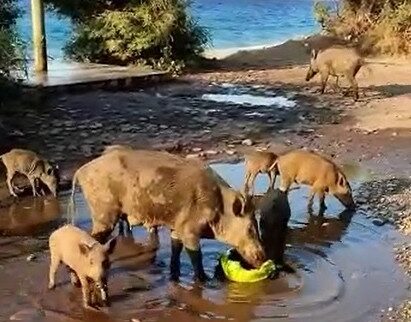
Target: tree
{"type": "Point", "coordinates": [158, 32]}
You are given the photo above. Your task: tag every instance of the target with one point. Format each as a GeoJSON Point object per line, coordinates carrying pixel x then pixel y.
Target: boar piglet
{"type": "Point", "coordinates": [255, 163]}
{"type": "Point", "coordinates": [87, 260]}
{"type": "Point", "coordinates": [275, 213]}
{"type": "Point", "coordinates": [33, 166]}
{"type": "Point", "coordinates": [323, 175]}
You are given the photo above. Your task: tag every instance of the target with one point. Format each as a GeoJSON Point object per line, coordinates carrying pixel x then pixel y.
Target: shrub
{"type": "Point", "coordinates": [12, 60]}
{"type": "Point", "coordinates": [379, 26]}
{"type": "Point", "coordinates": [158, 32]}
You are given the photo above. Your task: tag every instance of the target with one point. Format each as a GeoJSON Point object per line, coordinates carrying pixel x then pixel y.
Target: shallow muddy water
{"type": "Point", "coordinates": [345, 270]}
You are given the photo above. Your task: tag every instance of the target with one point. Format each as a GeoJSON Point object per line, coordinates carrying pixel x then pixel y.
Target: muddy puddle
{"type": "Point", "coordinates": [346, 270]}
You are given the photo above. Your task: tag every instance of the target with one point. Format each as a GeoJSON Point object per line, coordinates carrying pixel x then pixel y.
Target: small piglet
{"type": "Point", "coordinates": [87, 260]}
{"type": "Point", "coordinates": [33, 166]}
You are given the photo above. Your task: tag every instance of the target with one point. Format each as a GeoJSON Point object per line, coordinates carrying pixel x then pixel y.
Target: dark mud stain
{"type": "Point", "coordinates": [346, 270]}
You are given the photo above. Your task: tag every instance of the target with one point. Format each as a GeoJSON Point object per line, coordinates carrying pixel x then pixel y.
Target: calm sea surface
{"type": "Point", "coordinates": [232, 23]}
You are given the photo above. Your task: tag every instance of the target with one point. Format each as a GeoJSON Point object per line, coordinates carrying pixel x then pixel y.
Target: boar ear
{"type": "Point", "coordinates": [110, 245]}
{"type": "Point", "coordinates": [237, 207]}
{"type": "Point", "coordinates": [84, 248]}
{"type": "Point", "coordinates": [341, 180]}
{"type": "Point", "coordinates": [314, 53]}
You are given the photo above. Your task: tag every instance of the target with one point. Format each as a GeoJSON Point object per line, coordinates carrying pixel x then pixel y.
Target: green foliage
{"type": "Point", "coordinates": [156, 32]}
{"type": "Point", "coordinates": [12, 59]}
{"type": "Point", "coordinates": [380, 26]}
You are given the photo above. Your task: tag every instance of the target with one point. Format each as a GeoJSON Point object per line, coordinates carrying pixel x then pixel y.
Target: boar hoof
{"type": "Point", "coordinates": [201, 278]}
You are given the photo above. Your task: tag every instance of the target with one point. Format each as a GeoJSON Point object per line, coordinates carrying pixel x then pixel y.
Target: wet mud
{"type": "Point", "coordinates": [346, 269]}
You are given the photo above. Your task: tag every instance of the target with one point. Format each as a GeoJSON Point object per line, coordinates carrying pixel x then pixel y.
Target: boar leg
{"type": "Point", "coordinates": [192, 245]}
{"type": "Point", "coordinates": [86, 290]}
{"type": "Point", "coordinates": [272, 176]}
{"type": "Point", "coordinates": [176, 248]}
{"type": "Point", "coordinates": [33, 185]}
{"type": "Point", "coordinates": [9, 180]}
{"type": "Point", "coordinates": [354, 86]}
{"type": "Point", "coordinates": [250, 182]}
{"type": "Point", "coordinates": [54, 265]}
{"type": "Point", "coordinates": [324, 79]}
{"type": "Point", "coordinates": [73, 277]}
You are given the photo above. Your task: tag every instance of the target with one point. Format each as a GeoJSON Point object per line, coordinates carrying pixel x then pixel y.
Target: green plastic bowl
{"type": "Point", "coordinates": [235, 272]}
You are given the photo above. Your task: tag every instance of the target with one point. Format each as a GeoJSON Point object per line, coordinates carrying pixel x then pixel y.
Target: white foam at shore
{"type": "Point", "coordinates": [243, 99]}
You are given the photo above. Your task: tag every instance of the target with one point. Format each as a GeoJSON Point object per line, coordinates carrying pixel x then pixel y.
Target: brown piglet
{"type": "Point", "coordinates": [87, 260]}
{"type": "Point", "coordinates": [33, 166]}
{"type": "Point", "coordinates": [315, 170]}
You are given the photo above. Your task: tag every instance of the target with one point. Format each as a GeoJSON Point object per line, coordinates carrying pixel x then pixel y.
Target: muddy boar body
{"type": "Point", "coordinates": [336, 61]}
{"type": "Point", "coordinates": [310, 168]}
{"type": "Point", "coordinates": [33, 167]}
{"type": "Point", "coordinates": [87, 260]}
{"type": "Point", "coordinates": [275, 214]}
{"type": "Point", "coordinates": [255, 163]}
{"type": "Point", "coordinates": [157, 188]}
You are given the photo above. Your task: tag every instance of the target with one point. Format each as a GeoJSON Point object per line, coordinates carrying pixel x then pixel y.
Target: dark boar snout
{"type": "Point", "coordinates": [310, 74]}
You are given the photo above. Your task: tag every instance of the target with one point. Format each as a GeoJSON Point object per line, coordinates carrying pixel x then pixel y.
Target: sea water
{"type": "Point", "coordinates": [231, 23]}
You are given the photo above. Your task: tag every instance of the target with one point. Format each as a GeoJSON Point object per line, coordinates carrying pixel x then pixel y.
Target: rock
{"type": "Point", "coordinates": [230, 152]}
{"type": "Point", "coordinates": [31, 258]}
{"type": "Point", "coordinates": [196, 150]}
{"type": "Point", "coordinates": [193, 156]}
{"type": "Point", "coordinates": [379, 222]}
{"type": "Point", "coordinates": [211, 152]}
{"type": "Point", "coordinates": [247, 142]}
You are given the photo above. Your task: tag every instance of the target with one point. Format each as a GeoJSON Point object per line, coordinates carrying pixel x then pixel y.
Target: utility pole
{"type": "Point", "coordinates": [39, 36]}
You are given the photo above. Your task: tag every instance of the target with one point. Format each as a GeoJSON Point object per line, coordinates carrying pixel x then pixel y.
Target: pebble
{"type": "Point", "coordinates": [211, 152]}
{"type": "Point", "coordinates": [31, 258]}
{"type": "Point", "coordinates": [230, 152]}
{"type": "Point", "coordinates": [379, 222]}
{"type": "Point", "coordinates": [247, 142]}
{"type": "Point", "coordinates": [196, 150]}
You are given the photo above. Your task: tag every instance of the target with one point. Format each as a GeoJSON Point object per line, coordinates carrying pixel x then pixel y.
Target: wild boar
{"type": "Point", "coordinates": [275, 214]}
{"type": "Point", "coordinates": [255, 163]}
{"type": "Point", "coordinates": [336, 61]}
{"type": "Point", "coordinates": [158, 188]}
{"type": "Point", "coordinates": [310, 168]}
{"type": "Point", "coordinates": [33, 166]}
{"type": "Point", "coordinates": [87, 260]}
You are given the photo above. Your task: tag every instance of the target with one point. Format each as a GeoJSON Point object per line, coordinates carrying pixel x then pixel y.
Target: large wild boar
{"type": "Point", "coordinates": [87, 260]}
{"type": "Point", "coordinates": [310, 168]}
{"type": "Point", "coordinates": [258, 162]}
{"type": "Point", "coordinates": [33, 166]}
{"type": "Point", "coordinates": [335, 61]}
{"type": "Point", "coordinates": [158, 188]}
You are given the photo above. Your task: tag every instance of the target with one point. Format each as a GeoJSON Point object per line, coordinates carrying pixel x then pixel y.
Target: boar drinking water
{"type": "Point", "coordinates": [255, 163]}
{"type": "Point", "coordinates": [33, 167]}
{"type": "Point", "coordinates": [335, 61]}
{"type": "Point", "coordinates": [274, 216]}
{"type": "Point", "coordinates": [87, 259]}
{"type": "Point", "coordinates": [157, 188]}
{"type": "Point", "coordinates": [310, 168]}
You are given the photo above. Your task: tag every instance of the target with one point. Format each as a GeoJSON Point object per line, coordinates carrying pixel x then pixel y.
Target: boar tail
{"type": "Point", "coordinates": [71, 205]}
